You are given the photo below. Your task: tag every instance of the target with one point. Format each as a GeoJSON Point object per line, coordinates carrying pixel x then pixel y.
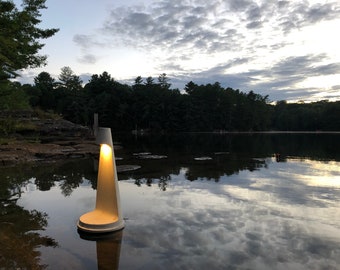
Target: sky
{"type": "Point", "coordinates": [288, 50]}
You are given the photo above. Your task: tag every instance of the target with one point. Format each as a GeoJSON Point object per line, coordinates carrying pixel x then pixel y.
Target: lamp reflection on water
{"type": "Point", "coordinates": [108, 248]}
{"type": "Point", "coordinates": [106, 217]}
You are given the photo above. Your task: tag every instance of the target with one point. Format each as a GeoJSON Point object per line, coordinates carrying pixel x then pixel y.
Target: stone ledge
{"type": "Point", "coordinates": [21, 152]}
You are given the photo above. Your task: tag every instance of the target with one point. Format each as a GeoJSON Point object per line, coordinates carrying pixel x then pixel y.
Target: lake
{"type": "Point", "coordinates": [198, 201]}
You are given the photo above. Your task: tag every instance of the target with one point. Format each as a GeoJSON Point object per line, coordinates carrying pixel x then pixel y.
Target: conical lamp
{"type": "Point", "coordinates": [106, 217]}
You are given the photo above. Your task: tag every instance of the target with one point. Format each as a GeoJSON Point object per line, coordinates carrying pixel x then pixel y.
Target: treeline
{"type": "Point", "coordinates": [150, 104]}
{"type": "Point", "coordinates": [322, 115]}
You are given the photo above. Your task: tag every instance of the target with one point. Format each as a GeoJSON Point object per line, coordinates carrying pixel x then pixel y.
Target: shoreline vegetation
{"type": "Point", "coordinates": [50, 121]}
{"type": "Point", "coordinates": [154, 106]}
{"type": "Point", "coordinates": [37, 136]}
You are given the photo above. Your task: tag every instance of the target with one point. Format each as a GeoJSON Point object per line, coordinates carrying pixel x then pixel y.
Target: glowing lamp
{"type": "Point", "coordinates": [106, 217]}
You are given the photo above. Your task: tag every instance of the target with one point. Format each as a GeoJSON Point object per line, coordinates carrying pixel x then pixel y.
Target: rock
{"type": "Point", "coordinates": [147, 155]}
{"type": "Point", "coordinates": [18, 152]}
{"type": "Point", "coordinates": [222, 153]}
{"type": "Point", "coordinates": [43, 139]}
{"type": "Point", "coordinates": [203, 158]}
{"type": "Point", "coordinates": [142, 154]}
{"type": "Point", "coordinates": [127, 168]}
{"type": "Point", "coordinates": [56, 127]}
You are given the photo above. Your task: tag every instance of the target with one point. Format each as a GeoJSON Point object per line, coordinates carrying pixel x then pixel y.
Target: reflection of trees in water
{"type": "Point", "coordinates": [220, 165]}
{"type": "Point", "coordinates": [19, 228]}
{"type": "Point", "coordinates": [230, 153]}
{"type": "Point", "coordinates": [162, 182]}
{"type": "Point", "coordinates": [19, 241]}
{"type": "Point", "coordinates": [69, 175]}
{"type": "Point", "coordinates": [311, 146]}
{"type": "Point", "coordinates": [317, 146]}
{"type": "Point", "coordinates": [68, 186]}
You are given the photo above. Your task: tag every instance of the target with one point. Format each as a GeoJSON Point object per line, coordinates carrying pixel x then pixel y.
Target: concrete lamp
{"type": "Point", "coordinates": [106, 217]}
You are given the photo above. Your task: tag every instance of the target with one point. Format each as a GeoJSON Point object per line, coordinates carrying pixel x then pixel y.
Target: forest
{"type": "Point", "coordinates": [151, 105]}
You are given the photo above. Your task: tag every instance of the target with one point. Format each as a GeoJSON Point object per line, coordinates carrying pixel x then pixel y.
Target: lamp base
{"type": "Point", "coordinates": [99, 222]}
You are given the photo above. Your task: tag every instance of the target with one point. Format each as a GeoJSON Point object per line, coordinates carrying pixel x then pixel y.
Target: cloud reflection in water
{"type": "Point", "coordinates": [284, 215]}
{"type": "Point", "coordinates": [268, 219]}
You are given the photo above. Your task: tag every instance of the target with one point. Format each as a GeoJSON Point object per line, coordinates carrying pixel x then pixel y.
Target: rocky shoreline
{"type": "Point", "coordinates": [47, 140]}
{"type": "Point", "coordinates": [21, 152]}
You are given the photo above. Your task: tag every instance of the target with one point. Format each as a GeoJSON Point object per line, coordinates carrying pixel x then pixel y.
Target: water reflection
{"type": "Point", "coordinates": [19, 241]}
{"type": "Point", "coordinates": [241, 209]}
{"type": "Point", "coordinates": [108, 247]}
{"type": "Point", "coordinates": [71, 174]}
{"type": "Point", "coordinates": [18, 226]}
{"type": "Point", "coordinates": [251, 222]}
{"type": "Point", "coordinates": [229, 154]}
{"type": "Point", "coordinates": [20, 229]}
{"type": "Point", "coordinates": [317, 146]}
{"type": "Point", "coordinates": [213, 169]}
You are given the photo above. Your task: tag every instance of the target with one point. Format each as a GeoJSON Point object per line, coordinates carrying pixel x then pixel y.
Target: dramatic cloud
{"type": "Point", "coordinates": [180, 25]}
{"type": "Point", "coordinates": [203, 40]}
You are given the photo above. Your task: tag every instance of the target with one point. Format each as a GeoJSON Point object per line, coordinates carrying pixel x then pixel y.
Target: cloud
{"type": "Point", "coordinates": [204, 27]}
{"type": "Point", "coordinates": [319, 12]}
{"type": "Point", "coordinates": [25, 76]}
{"type": "Point", "coordinates": [254, 24]}
{"type": "Point", "coordinates": [300, 14]}
{"type": "Point", "coordinates": [169, 26]}
{"type": "Point", "coordinates": [297, 66]}
{"type": "Point", "coordinates": [87, 44]}
{"type": "Point", "coordinates": [328, 69]}
{"type": "Point", "coordinates": [88, 59]}
{"type": "Point", "coordinates": [175, 34]}
{"type": "Point", "coordinates": [286, 73]}
{"type": "Point", "coordinates": [281, 80]}
{"type": "Point", "coordinates": [336, 87]}
{"type": "Point", "coordinates": [85, 77]}
{"type": "Point", "coordinates": [179, 24]}
{"type": "Point", "coordinates": [278, 81]}
{"type": "Point", "coordinates": [217, 73]}
{"type": "Point", "coordinates": [86, 41]}
{"type": "Point", "coordinates": [239, 5]}
{"type": "Point", "coordinates": [190, 28]}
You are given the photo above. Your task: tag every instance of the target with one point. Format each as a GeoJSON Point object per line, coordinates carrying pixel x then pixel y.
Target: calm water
{"type": "Point", "coordinates": [215, 202]}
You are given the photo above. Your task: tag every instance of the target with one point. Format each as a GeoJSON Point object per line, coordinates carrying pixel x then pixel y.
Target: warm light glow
{"type": "Point", "coordinates": [106, 217]}
{"type": "Point", "coordinates": [105, 151]}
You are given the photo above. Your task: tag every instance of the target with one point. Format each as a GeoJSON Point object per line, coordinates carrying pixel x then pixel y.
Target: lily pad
{"type": "Point", "coordinates": [202, 158]}
{"type": "Point", "coordinates": [142, 154]}
{"type": "Point", "coordinates": [127, 168]}
{"type": "Point", "coordinates": [222, 153]}
{"type": "Point", "coordinates": [152, 157]}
